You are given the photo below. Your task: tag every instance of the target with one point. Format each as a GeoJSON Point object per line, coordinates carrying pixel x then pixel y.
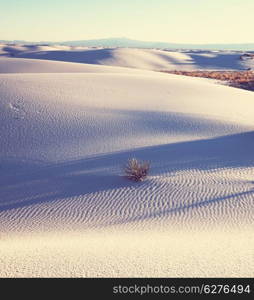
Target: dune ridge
{"type": "Point", "coordinates": [148, 59]}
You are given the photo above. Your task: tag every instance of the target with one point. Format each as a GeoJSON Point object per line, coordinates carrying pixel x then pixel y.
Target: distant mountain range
{"type": "Point", "coordinates": [125, 42]}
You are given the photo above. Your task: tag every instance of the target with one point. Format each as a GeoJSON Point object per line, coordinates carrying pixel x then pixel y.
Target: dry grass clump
{"type": "Point", "coordinates": [136, 170]}
{"type": "Point", "coordinates": [241, 79]}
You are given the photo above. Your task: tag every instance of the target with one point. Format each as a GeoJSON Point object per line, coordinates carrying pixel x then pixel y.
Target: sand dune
{"type": "Point", "coordinates": [149, 59]}
{"type": "Point", "coordinates": [66, 210]}
{"type": "Point", "coordinates": [24, 65]}
{"type": "Point", "coordinates": [85, 114]}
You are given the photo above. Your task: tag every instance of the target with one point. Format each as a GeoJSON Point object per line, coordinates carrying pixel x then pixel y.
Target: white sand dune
{"type": "Point", "coordinates": [66, 210]}
{"type": "Point", "coordinates": [149, 59]}
{"type": "Point", "coordinates": [24, 65]}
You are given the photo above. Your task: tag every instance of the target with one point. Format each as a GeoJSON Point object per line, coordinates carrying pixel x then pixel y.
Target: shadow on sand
{"type": "Point", "coordinates": [86, 57]}
{"type": "Point", "coordinates": [201, 59]}
{"type": "Point", "coordinates": [23, 187]}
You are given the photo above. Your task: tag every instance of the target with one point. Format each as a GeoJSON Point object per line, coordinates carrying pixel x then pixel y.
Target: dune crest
{"type": "Point", "coordinates": [147, 59]}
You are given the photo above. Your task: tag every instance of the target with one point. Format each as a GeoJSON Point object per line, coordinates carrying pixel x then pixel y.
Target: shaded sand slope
{"type": "Point", "coordinates": [151, 59]}
{"type": "Point", "coordinates": [66, 210]}
{"type": "Point", "coordinates": [186, 186]}
{"type": "Point", "coordinates": [65, 116]}
{"type": "Point", "coordinates": [24, 65]}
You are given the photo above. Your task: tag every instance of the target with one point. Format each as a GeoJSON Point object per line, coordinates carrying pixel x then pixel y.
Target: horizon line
{"type": "Point", "coordinates": [126, 38]}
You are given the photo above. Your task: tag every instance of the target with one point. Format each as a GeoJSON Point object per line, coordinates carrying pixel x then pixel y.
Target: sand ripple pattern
{"type": "Point", "coordinates": [186, 197]}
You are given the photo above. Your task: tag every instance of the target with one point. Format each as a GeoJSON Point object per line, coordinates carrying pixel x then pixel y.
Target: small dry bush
{"type": "Point", "coordinates": [136, 170]}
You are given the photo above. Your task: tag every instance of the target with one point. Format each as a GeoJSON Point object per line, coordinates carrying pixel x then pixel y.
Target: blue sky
{"type": "Point", "coordinates": [180, 21]}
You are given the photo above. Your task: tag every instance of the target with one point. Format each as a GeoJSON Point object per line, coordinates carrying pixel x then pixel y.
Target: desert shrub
{"type": "Point", "coordinates": [136, 170]}
{"type": "Point", "coordinates": [241, 79]}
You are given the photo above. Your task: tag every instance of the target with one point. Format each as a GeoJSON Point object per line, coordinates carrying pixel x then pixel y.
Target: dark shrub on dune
{"type": "Point", "coordinates": [136, 170]}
